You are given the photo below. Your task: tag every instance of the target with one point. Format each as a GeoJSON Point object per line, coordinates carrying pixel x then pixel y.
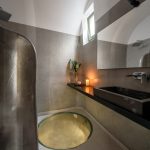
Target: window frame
{"type": "Point", "coordinates": [90, 38]}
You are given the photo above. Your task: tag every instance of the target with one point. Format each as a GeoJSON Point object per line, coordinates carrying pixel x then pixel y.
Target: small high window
{"type": "Point", "coordinates": [91, 26]}
{"type": "Point", "coordinates": [88, 25]}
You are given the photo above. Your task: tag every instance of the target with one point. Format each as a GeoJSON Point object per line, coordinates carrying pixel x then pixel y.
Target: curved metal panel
{"type": "Point", "coordinates": [18, 129]}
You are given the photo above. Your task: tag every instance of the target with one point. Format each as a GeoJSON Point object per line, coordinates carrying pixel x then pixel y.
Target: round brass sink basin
{"type": "Point", "coordinates": [64, 130]}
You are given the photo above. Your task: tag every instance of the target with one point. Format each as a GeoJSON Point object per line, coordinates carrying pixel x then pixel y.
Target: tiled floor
{"type": "Point", "coordinates": [101, 139]}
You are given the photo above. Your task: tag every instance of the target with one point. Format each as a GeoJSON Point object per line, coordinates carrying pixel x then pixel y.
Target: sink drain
{"type": "Point", "coordinates": [64, 130]}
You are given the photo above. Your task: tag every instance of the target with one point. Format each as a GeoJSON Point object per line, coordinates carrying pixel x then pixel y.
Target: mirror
{"type": "Point", "coordinates": [125, 43]}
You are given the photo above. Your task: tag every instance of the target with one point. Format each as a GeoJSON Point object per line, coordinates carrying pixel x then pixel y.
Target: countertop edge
{"type": "Point", "coordinates": [136, 118]}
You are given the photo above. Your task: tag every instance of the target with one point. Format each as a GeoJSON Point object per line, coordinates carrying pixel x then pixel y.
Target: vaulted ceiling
{"type": "Point", "coordinates": [58, 15]}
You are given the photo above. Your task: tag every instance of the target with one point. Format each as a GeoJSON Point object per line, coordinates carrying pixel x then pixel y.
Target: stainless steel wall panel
{"type": "Point", "coordinates": [17, 92]}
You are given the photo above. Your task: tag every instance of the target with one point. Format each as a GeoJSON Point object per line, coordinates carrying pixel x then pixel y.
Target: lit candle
{"type": "Point", "coordinates": [87, 90]}
{"type": "Point", "coordinates": [87, 82]}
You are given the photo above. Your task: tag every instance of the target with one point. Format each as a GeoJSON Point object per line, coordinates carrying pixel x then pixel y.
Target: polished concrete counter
{"type": "Point", "coordinates": [88, 91]}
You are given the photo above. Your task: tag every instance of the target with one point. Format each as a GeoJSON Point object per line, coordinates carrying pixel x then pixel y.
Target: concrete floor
{"type": "Point", "coordinates": [100, 139]}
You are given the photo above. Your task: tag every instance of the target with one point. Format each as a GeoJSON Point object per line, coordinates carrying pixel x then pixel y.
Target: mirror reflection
{"type": "Point", "coordinates": [126, 42]}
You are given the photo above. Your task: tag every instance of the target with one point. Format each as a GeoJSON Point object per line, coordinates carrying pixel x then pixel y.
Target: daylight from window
{"type": "Point", "coordinates": [91, 26]}
{"type": "Point", "coordinates": [88, 24]}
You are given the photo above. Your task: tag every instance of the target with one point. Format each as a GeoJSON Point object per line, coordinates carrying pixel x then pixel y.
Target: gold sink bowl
{"type": "Point", "coordinates": [64, 130]}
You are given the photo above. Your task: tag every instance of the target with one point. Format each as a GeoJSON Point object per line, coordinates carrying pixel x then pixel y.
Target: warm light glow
{"type": "Point", "coordinates": [79, 82]}
{"type": "Point", "coordinates": [87, 89]}
{"type": "Point", "coordinates": [87, 82]}
{"type": "Point", "coordinates": [92, 75]}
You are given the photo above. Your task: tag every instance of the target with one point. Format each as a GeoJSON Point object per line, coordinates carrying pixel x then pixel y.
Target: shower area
{"type": "Point", "coordinates": [17, 92]}
{"type": "Point", "coordinates": [38, 111]}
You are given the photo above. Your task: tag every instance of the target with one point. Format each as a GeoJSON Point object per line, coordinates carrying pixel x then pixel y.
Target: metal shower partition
{"type": "Point", "coordinates": [18, 130]}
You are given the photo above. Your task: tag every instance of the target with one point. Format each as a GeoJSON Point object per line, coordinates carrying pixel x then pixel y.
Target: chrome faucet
{"type": "Point", "coordinates": [140, 76]}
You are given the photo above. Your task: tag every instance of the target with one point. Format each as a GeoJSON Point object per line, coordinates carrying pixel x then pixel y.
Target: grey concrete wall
{"type": "Point", "coordinates": [136, 52]}
{"type": "Point", "coordinates": [116, 53]}
{"type": "Point", "coordinates": [127, 131]}
{"type": "Point", "coordinates": [53, 51]}
{"type": "Point", "coordinates": [134, 136]}
{"type": "Point", "coordinates": [131, 134]}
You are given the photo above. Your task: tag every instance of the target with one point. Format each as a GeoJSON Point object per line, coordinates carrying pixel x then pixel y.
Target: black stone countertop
{"type": "Point", "coordinates": [88, 91]}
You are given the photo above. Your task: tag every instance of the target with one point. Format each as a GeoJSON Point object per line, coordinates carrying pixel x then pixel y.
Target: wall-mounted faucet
{"type": "Point", "coordinates": [140, 76]}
